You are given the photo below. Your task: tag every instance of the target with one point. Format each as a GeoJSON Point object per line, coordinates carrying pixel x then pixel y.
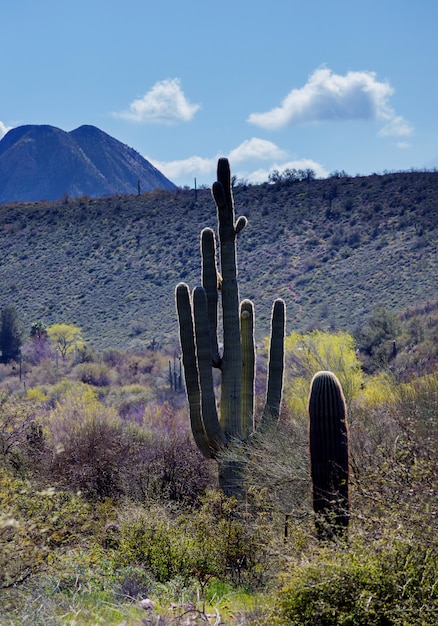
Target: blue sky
{"type": "Point", "coordinates": [330, 85]}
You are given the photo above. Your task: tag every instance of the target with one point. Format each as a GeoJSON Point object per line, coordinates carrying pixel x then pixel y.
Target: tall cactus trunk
{"type": "Point", "coordinates": [213, 431]}
{"type": "Point", "coordinates": [231, 478]}
{"type": "Point", "coordinates": [329, 455]}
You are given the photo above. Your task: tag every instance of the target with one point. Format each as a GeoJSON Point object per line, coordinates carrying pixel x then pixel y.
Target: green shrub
{"type": "Point", "coordinates": [216, 542]}
{"type": "Point", "coordinates": [34, 523]}
{"type": "Point", "coordinates": [393, 583]}
{"type": "Point", "coordinates": [153, 540]}
{"type": "Point", "coordinates": [21, 436]}
{"type": "Point", "coordinates": [93, 374]}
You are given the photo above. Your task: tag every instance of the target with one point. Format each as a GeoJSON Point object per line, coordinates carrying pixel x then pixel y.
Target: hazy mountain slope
{"type": "Point", "coordinates": [333, 249]}
{"type": "Point", "coordinates": [119, 164]}
{"type": "Point", "coordinates": [46, 163]}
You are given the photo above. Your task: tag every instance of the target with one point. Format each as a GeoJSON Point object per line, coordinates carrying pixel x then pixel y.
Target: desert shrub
{"type": "Point", "coordinates": [214, 542]}
{"type": "Point", "coordinates": [130, 401]}
{"type": "Point", "coordinates": [376, 338]}
{"type": "Point", "coordinates": [102, 455]}
{"type": "Point", "coordinates": [92, 447]}
{"type": "Point", "coordinates": [318, 350]}
{"type": "Point", "coordinates": [394, 460]}
{"type": "Point", "coordinates": [177, 470]}
{"type": "Point", "coordinates": [93, 374]}
{"type": "Point", "coordinates": [133, 581]}
{"type": "Point", "coordinates": [227, 543]}
{"type": "Point", "coordinates": [33, 523]}
{"type": "Point", "coordinates": [22, 442]}
{"type": "Point", "coordinates": [152, 539]}
{"type": "Point", "coordinates": [389, 583]}
{"type": "Point", "coordinates": [138, 368]}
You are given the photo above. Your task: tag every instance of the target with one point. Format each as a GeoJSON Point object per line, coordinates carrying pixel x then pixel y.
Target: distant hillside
{"type": "Point", "coordinates": [47, 163]}
{"type": "Point", "coordinates": [334, 249]}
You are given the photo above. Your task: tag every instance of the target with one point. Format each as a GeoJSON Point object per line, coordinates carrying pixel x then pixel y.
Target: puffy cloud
{"type": "Point", "coordinates": [190, 167]}
{"type": "Point", "coordinates": [165, 103]}
{"type": "Point", "coordinates": [4, 129]}
{"type": "Point", "coordinates": [330, 97]}
{"type": "Point", "coordinates": [250, 150]}
{"type": "Point", "coordinates": [259, 149]}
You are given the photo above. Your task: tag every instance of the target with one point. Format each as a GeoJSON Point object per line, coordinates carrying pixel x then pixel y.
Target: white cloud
{"type": "Point", "coordinates": [259, 149]}
{"type": "Point", "coordinates": [165, 103]}
{"type": "Point", "coordinates": [330, 97]}
{"type": "Point", "coordinates": [250, 150]}
{"type": "Point", "coordinates": [194, 166]}
{"type": "Point", "coordinates": [396, 127]}
{"type": "Point", "coordinates": [4, 129]}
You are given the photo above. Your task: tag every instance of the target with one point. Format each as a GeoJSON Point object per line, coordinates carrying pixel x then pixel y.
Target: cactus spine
{"type": "Point", "coordinates": [329, 453]}
{"type": "Point", "coordinates": [198, 324]}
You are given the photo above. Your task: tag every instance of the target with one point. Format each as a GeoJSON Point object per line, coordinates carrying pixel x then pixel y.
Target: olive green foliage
{"type": "Point", "coordinates": [34, 524]}
{"type": "Point", "coordinates": [383, 584]}
{"type": "Point", "coordinates": [216, 542]}
{"type": "Point", "coordinates": [320, 350]}
{"type": "Point", "coordinates": [403, 344]}
{"type": "Point", "coordinates": [67, 338]}
{"type": "Point", "coordinates": [377, 337]}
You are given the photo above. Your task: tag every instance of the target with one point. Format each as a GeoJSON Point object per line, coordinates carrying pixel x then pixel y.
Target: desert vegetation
{"type": "Point", "coordinates": [111, 512]}
{"type": "Point", "coordinates": [106, 500]}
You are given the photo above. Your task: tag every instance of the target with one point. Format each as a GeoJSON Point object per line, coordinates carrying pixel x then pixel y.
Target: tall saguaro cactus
{"type": "Point", "coordinates": [329, 454]}
{"type": "Point", "coordinates": [198, 323]}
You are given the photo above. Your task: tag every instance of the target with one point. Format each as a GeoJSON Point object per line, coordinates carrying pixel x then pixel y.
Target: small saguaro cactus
{"type": "Point", "coordinates": [198, 324]}
{"type": "Point", "coordinates": [329, 453]}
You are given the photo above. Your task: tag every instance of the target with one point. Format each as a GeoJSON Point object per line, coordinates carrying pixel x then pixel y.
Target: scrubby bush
{"type": "Point", "coordinates": [34, 523]}
{"type": "Point", "coordinates": [217, 541]}
{"type": "Point", "coordinates": [93, 449]}
{"type": "Point", "coordinates": [93, 374]}
{"type": "Point", "coordinates": [97, 452]}
{"type": "Point", "coordinates": [390, 583]}
{"type": "Point", "coordinates": [21, 436]}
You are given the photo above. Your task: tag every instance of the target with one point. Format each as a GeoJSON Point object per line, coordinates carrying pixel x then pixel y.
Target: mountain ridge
{"type": "Point", "coordinates": [43, 162]}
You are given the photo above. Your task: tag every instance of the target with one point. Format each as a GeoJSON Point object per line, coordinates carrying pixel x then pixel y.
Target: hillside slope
{"type": "Point", "coordinates": [47, 163]}
{"type": "Point", "coordinates": [333, 249]}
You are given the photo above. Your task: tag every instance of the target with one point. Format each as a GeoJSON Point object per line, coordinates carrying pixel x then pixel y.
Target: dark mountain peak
{"type": "Point", "coordinates": [30, 132]}
{"type": "Point", "coordinates": [87, 131]}
{"type": "Point", "coordinates": [43, 162]}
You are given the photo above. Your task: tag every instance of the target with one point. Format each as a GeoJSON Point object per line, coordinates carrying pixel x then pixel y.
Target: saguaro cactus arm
{"type": "Point", "coordinates": [206, 430]}
{"type": "Point", "coordinates": [276, 362]}
{"type": "Point", "coordinates": [211, 281]}
{"type": "Point", "coordinates": [248, 366]}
